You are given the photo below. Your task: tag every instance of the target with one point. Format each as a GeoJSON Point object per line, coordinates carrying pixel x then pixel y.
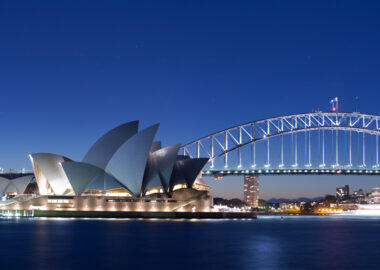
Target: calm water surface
{"type": "Point", "coordinates": [265, 243]}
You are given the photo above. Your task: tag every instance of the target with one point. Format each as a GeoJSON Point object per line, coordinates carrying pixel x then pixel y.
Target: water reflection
{"type": "Point", "coordinates": [265, 243]}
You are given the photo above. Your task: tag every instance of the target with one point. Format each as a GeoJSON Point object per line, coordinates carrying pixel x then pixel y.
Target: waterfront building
{"type": "Point", "coordinates": [289, 205]}
{"type": "Point", "coordinates": [125, 170]}
{"type": "Point", "coordinates": [329, 200]}
{"type": "Point", "coordinates": [342, 193]}
{"type": "Point", "coordinates": [372, 208]}
{"type": "Point", "coordinates": [359, 196]}
{"type": "Point", "coordinates": [375, 195]}
{"type": "Point", "coordinates": [251, 190]}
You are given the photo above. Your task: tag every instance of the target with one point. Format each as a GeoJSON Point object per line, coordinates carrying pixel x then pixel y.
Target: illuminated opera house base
{"type": "Point", "coordinates": [183, 200]}
{"type": "Point", "coordinates": [183, 203]}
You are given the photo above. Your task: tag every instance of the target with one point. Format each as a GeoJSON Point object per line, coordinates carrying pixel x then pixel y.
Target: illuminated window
{"type": "Point", "coordinates": [154, 190]}
{"type": "Point", "coordinates": [179, 186]}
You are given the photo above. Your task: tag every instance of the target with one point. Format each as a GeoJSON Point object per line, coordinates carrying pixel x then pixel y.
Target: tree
{"type": "Point", "coordinates": [306, 208]}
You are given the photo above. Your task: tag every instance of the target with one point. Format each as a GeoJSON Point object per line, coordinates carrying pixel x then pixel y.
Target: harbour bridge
{"type": "Point", "coordinates": [308, 143]}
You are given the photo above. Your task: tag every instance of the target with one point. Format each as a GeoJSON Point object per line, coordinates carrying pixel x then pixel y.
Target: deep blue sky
{"type": "Point", "coordinates": [71, 70]}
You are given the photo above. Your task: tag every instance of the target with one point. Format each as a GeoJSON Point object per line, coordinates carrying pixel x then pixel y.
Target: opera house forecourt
{"type": "Point", "coordinates": [124, 174]}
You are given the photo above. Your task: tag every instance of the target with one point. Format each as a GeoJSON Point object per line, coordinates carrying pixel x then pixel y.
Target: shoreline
{"type": "Point", "coordinates": [117, 214]}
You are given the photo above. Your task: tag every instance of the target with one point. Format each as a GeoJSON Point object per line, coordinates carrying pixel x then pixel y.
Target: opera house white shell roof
{"type": "Point", "coordinates": [17, 185]}
{"type": "Point", "coordinates": [123, 158]}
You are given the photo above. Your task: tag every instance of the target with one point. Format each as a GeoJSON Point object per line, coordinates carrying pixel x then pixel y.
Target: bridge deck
{"type": "Point", "coordinates": [294, 171]}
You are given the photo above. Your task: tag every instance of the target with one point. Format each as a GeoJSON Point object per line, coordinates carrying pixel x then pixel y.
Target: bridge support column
{"type": "Point", "coordinates": [251, 190]}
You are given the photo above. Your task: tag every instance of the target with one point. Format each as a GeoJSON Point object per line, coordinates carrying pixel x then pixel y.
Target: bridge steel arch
{"type": "Point", "coordinates": [220, 144]}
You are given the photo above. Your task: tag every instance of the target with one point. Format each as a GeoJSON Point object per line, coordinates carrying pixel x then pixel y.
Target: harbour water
{"type": "Point", "coordinates": [299, 242]}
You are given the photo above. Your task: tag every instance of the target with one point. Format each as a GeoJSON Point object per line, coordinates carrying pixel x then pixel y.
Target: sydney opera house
{"type": "Point", "coordinates": [124, 171]}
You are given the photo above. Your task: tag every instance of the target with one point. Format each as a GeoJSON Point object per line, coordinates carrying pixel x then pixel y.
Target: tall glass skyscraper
{"type": "Point", "coordinates": [251, 190]}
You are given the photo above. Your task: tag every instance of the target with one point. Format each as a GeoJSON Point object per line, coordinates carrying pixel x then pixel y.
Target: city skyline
{"type": "Point", "coordinates": [297, 186]}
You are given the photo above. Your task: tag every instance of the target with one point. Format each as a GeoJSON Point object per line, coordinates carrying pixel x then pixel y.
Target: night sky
{"type": "Point", "coordinates": [71, 70]}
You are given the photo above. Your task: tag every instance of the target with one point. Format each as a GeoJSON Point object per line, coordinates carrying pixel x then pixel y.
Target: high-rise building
{"type": "Point", "coordinates": [375, 195]}
{"type": "Point", "coordinates": [359, 196]}
{"type": "Point", "coordinates": [342, 193]}
{"type": "Point", "coordinates": [251, 190]}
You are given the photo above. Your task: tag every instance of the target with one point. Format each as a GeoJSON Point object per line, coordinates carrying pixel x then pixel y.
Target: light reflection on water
{"type": "Point", "coordinates": [307, 242]}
